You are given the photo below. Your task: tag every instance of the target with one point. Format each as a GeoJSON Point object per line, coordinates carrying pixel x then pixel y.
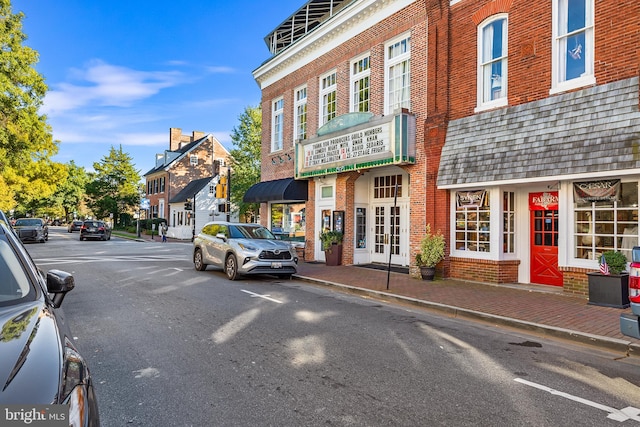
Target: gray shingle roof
{"type": "Point", "coordinates": [591, 130]}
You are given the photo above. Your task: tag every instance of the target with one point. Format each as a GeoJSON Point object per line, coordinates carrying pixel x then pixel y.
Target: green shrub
{"type": "Point", "coordinates": [616, 261]}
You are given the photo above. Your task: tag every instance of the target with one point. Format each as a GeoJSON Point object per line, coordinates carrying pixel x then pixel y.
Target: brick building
{"type": "Point", "coordinates": [516, 137]}
{"type": "Point", "coordinates": [189, 158]}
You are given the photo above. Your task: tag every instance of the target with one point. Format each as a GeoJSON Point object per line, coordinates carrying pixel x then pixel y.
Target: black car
{"type": "Point", "coordinates": [40, 363]}
{"type": "Point", "coordinates": [74, 225]}
{"type": "Point", "coordinates": [92, 229]}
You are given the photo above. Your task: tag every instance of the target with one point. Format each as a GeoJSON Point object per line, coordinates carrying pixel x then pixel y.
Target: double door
{"type": "Point", "coordinates": [389, 233]}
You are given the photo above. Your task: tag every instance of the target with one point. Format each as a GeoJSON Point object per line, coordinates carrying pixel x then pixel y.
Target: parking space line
{"type": "Point", "coordinates": [267, 297]}
{"type": "Point", "coordinates": [628, 413]}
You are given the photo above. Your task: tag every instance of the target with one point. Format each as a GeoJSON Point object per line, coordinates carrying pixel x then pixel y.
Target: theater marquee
{"type": "Point", "coordinates": [378, 142]}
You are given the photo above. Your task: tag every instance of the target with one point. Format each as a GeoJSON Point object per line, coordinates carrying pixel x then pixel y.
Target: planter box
{"type": "Point", "coordinates": [333, 256]}
{"type": "Point", "coordinates": [609, 291]}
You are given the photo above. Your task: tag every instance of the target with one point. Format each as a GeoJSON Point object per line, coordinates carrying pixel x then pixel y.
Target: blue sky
{"type": "Point", "coordinates": [123, 72]}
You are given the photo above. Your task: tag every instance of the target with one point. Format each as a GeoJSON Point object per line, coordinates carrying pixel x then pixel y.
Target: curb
{"type": "Point", "coordinates": [628, 348]}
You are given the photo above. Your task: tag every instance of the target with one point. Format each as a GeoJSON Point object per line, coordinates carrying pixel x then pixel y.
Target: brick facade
{"type": "Point", "coordinates": [444, 96]}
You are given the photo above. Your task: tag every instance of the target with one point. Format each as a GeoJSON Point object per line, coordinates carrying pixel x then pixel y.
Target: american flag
{"type": "Point", "coordinates": [604, 268]}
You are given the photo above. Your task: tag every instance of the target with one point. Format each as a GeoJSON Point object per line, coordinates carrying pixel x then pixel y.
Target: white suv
{"type": "Point", "coordinates": [243, 249]}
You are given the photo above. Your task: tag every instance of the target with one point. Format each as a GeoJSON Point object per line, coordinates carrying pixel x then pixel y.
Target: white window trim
{"type": "Point", "coordinates": [503, 101]}
{"type": "Point", "coordinates": [297, 103]}
{"type": "Point", "coordinates": [353, 107]}
{"type": "Point", "coordinates": [193, 160]}
{"type": "Point", "coordinates": [589, 78]}
{"type": "Point", "coordinates": [389, 63]}
{"type": "Point", "coordinates": [277, 140]}
{"type": "Point", "coordinates": [322, 93]}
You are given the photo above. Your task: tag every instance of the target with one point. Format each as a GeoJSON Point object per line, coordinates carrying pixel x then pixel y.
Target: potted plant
{"type": "Point", "coordinates": [610, 290]}
{"type": "Point", "coordinates": [332, 246]}
{"type": "Point", "coordinates": [430, 254]}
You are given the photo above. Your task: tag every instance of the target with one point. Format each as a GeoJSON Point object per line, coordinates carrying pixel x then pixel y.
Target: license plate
{"type": "Point", "coordinates": [276, 265]}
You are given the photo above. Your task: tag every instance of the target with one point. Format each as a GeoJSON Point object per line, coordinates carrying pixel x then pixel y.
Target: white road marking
{"type": "Point", "coordinates": [628, 413]}
{"type": "Point", "coordinates": [254, 295]}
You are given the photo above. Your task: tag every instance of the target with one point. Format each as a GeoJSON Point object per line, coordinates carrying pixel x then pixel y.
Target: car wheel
{"type": "Point", "coordinates": [198, 261]}
{"type": "Point", "coordinates": [231, 267]}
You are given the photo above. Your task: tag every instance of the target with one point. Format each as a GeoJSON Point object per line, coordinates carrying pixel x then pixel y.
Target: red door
{"type": "Point", "coordinates": [544, 240]}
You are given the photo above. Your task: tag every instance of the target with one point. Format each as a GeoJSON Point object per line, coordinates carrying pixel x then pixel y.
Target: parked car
{"type": "Point", "coordinates": [243, 249]}
{"type": "Point", "coordinates": [40, 363]}
{"type": "Point", "coordinates": [32, 229]}
{"type": "Point", "coordinates": [93, 229]}
{"type": "Point", "coordinates": [74, 225]}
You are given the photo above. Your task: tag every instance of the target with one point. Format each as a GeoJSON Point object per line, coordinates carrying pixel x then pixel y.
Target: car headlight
{"type": "Point", "coordinates": [247, 247]}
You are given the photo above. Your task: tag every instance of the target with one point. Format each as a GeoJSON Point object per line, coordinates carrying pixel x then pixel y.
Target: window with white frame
{"type": "Point", "coordinates": [360, 72]}
{"type": "Point", "coordinates": [606, 219]}
{"type": "Point", "coordinates": [573, 43]}
{"type": "Point", "coordinates": [508, 222]}
{"type": "Point", "coordinates": [193, 160]}
{"type": "Point", "coordinates": [473, 228]}
{"type": "Point", "coordinates": [277, 124]}
{"type": "Point", "coordinates": [492, 61]}
{"type": "Point", "coordinates": [300, 114]}
{"type": "Point", "coordinates": [398, 70]}
{"type": "Point", "coordinates": [328, 90]}
{"type": "Point", "coordinates": [222, 162]}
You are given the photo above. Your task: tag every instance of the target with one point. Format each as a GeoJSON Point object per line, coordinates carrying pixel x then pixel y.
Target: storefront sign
{"type": "Point", "coordinates": [545, 201]}
{"type": "Point", "coordinates": [377, 142]}
{"type": "Point", "coordinates": [350, 147]}
{"type": "Point", "coordinates": [470, 199]}
{"type": "Point", "coordinates": [596, 191]}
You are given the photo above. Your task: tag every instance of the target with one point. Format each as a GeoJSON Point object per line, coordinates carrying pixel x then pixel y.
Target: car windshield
{"type": "Point", "coordinates": [249, 232]}
{"type": "Point", "coordinates": [28, 222]}
{"type": "Point", "coordinates": [14, 283]}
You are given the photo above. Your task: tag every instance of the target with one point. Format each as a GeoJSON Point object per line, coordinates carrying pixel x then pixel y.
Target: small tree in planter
{"type": "Point", "coordinates": [610, 290]}
{"type": "Point", "coordinates": [431, 253]}
{"type": "Point", "coordinates": [332, 246]}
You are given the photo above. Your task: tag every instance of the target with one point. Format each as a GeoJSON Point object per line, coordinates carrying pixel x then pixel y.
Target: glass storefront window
{"type": "Point", "coordinates": [473, 227]}
{"type": "Point", "coordinates": [509, 222]}
{"type": "Point", "coordinates": [603, 226]}
{"type": "Point", "coordinates": [361, 228]}
{"type": "Point", "coordinates": [288, 221]}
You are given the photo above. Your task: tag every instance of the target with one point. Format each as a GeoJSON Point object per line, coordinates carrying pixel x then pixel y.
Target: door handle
{"type": "Point", "coordinates": [386, 239]}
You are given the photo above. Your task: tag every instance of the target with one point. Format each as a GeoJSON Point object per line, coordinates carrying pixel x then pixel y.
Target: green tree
{"type": "Point", "coordinates": [26, 143]}
{"type": "Point", "coordinates": [246, 158]}
{"type": "Point", "coordinates": [114, 187]}
{"type": "Point", "coordinates": [71, 193]}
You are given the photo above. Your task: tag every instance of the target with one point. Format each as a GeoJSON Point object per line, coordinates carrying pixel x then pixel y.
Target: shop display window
{"type": "Point", "coordinates": [288, 221]}
{"type": "Point", "coordinates": [611, 225]}
{"type": "Point", "coordinates": [473, 231]}
{"type": "Point", "coordinates": [361, 228]}
{"type": "Point", "coordinates": [509, 222]}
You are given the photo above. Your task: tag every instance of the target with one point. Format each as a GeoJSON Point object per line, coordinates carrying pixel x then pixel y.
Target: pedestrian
{"type": "Point", "coordinates": [163, 231]}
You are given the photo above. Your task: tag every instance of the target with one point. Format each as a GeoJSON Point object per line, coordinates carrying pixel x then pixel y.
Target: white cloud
{"type": "Point", "coordinates": [102, 84]}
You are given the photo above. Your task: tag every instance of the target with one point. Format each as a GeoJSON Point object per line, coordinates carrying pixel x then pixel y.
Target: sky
{"type": "Point", "coordinates": [123, 72]}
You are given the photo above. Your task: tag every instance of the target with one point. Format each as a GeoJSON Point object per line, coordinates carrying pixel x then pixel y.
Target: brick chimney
{"type": "Point", "coordinates": [175, 136]}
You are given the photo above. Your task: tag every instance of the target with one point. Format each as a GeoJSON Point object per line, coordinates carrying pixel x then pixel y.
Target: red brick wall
{"type": "Point", "coordinates": [484, 270]}
{"type": "Point", "coordinates": [575, 280]}
{"type": "Point", "coordinates": [530, 47]}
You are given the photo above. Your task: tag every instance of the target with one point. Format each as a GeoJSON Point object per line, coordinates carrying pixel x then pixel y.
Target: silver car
{"type": "Point", "coordinates": [32, 229]}
{"type": "Point", "coordinates": [243, 249]}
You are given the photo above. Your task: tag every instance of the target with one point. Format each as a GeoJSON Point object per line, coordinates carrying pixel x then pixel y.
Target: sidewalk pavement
{"type": "Point", "coordinates": [540, 309]}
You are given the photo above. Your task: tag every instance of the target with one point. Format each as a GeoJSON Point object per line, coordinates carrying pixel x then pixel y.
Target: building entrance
{"type": "Point", "coordinates": [544, 239]}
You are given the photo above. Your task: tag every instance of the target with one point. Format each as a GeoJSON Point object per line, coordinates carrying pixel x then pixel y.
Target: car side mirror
{"type": "Point", "coordinates": [221, 237]}
{"type": "Point", "coordinates": [59, 283]}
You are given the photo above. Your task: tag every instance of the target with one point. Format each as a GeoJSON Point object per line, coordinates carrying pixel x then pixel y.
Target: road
{"type": "Point", "coordinates": [171, 346]}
